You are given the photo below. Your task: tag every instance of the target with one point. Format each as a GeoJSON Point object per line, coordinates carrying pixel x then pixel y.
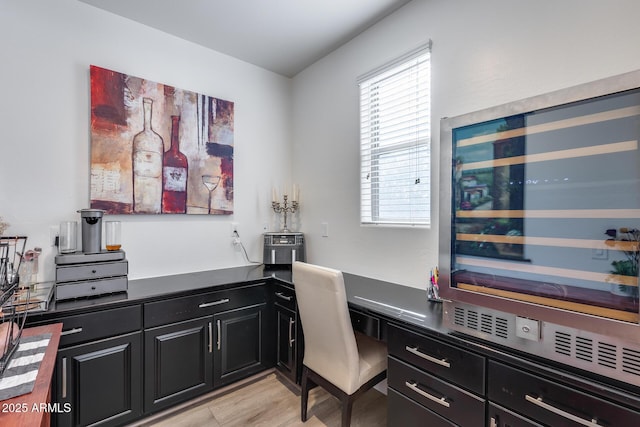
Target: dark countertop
{"type": "Point", "coordinates": [398, 304]}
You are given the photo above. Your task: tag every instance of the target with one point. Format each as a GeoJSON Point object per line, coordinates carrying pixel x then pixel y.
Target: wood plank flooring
{"type": "Point", "coordinates": [268, 402]}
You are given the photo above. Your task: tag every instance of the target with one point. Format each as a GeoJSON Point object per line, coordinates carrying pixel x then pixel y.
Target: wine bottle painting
{"type": "Point", "coordinates": [152, 145]}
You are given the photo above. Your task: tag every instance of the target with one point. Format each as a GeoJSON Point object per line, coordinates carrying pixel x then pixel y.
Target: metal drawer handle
{"type": "Point", "coordinates": [64, 377]}
{"type": "Point", "coordinates": [210, 338]}
{"type": "Point", "coordinates": [218, 326]}
{"type": "Point", "coordinates": [209, 304]}
{"type": "Point", "coordinates": [283, 296]}
{"type": "Point", "coordinates": [291, 340]}
{"type": "Point", "coordinates": [440, 400]}
{"type": "Point", "coordinates": [441, 362]}
{"type": "Point", "coordinates": [71, 331]}
{"type": "Point", "coordinates": [539, 402]}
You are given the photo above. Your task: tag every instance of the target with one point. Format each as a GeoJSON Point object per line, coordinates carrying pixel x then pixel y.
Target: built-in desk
{"type": "Point", "coordinates": [380, 308]}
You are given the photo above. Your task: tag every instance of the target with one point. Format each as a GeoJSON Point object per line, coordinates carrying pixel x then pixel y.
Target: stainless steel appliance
{"type": "Point", "coordinates": [91, 230]}
{"type": "Point", "coordinates": [283, 248]}
{"type": "Point", "coordinates": [539, 225]}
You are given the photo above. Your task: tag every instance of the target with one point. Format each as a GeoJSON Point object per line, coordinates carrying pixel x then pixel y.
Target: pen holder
{"type": "Point", "coordinates": [433, 291]}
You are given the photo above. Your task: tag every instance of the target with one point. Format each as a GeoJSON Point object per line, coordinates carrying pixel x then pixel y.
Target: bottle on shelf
{"type": "Point", "coordinates": [148, 149]}
{"type": "Point", "coordinates": [174, 174]}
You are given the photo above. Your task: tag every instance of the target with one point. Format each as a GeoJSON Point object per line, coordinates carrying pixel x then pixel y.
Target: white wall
{"type": "Point", "coordinates": [485, 53]}
{"type": "Point", "coordinates": [46, 48]}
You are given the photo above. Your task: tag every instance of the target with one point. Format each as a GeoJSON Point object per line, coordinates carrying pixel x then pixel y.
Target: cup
{"type": "Point", "coordinates": [68, 237]}
{"type": "Point", "coordinates": [112, 235]}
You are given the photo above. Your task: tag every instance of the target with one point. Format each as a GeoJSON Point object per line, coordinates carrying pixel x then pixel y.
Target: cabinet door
{"type": "Point", "coordinates": [100, 381]}
{"type": "Point", "coordinates": [178, 362]}
{"type": "Point", "coordinates": [286, 342]}
{"type": "Point", "coordinates": [238, 343]}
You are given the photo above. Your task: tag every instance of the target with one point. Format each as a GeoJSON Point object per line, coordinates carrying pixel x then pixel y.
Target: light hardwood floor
{"type": "Point", "coordinates": [268, 402]}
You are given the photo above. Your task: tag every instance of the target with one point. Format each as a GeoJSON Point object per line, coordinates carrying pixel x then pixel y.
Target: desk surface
{"type": "Point", "coordinates": [19, 411]}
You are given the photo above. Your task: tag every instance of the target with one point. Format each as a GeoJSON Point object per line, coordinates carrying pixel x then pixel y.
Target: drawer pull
{"type": "Point", "coordinates": [210, 304]}
{"type": "Point", "coordinates": [64, 377]}
{"type": "Point", "coordinates": [283, 296]}
{"type": "Point", "coordinates": [440, 400]}
{"type": "Point", "coordinates": [539, 402]}
{"type": "Point", "coordinates": [71, 331]}
{"type": "Point", "coordinates": [210, 338]}
{"type": "Point", "coordinates": [441, 362]}
{"type": "Point", "coordinates": [218, 327]}
{"type": "Point", "coordinates": [291, 340]}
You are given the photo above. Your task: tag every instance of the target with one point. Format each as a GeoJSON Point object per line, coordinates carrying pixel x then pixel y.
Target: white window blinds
{"type": "Point", "coordinates": [395, 133]}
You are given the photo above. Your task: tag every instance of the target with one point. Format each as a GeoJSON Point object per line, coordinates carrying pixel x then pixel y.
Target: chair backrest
{"type": "Point", "coordinates": [330, 344]}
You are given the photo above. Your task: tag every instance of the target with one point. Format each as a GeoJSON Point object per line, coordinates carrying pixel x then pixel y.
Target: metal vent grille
{"type": "Point", "coordinates": [486, 323]}
{"type": "Point", "coordinates": [472, 319]}
{"type": "Point", "coordinates": [631, 361]}
{"type": "Point", "coordinates": [563, 343]}
{"type": "Point", "coordinates": [458, 316]}
{"type": "Point", "coordinates": [584, 349]}
{"type": "Point", "coordinates": [607, 355]}
{"type": "Point", "coordinates": [502, 328]}
{"type": "Point", "coordinates": [482, 322]}
{"type": "Point", "coordinates": [592, 352]}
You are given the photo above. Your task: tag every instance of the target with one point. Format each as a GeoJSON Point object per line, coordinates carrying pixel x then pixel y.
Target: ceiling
{"type": "Point", "coordinates": [284, 36]}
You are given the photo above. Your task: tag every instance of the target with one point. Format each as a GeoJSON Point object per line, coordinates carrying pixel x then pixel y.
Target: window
{"type": "Point", "coordinates": [395, 133]}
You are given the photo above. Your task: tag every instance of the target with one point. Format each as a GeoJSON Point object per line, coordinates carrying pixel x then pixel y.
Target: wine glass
{"type": "Point", "coordinates": [211, 182]}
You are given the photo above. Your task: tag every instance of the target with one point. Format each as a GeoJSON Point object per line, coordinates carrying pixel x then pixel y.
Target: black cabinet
{"type": "Point", "coordinates": [98, 371]}
{"type": "Point", "coordinates": [286, 360]}
{"type": "Point", "coordinates": [549, 402]}
{"type": "Point", "coordinates": [100, 381]}
{"type": "Point", "coordinates": [498, 416]}
{"type": "Point", "coordinates": [178, 362]}
{"type": "Point", "coordinates": [238, 343]}
{"type": "Point", "coordinates": [289, 339]}
{"type": "Point", "coordinates": [196, 343]}
{"type": "Point", "coordinates": [433, 380]}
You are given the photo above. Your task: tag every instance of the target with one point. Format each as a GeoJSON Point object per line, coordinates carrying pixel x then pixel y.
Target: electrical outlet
{"type": "Point", "coordinates": [54, 231]}
{"type": "Point", "coordinates": [234, 229]}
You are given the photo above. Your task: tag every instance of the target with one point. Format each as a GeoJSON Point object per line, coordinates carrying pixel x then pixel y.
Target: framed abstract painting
{"type": "Point", "coordinates": [157, 149]}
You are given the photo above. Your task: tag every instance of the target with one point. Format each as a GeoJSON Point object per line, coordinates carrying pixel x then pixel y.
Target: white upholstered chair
{"type": "Point", "coordinates": [344, 363]}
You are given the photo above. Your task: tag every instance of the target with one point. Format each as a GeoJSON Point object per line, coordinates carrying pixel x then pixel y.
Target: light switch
{"type": "Point", "coordinates": [325, 229]}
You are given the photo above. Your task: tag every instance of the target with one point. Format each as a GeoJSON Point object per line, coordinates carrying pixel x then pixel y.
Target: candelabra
{"type": "Point", "coordinates": [284, 208]}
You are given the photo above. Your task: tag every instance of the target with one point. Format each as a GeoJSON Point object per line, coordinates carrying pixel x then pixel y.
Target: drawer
{"type": "Point", "coordinates": [101, 324]}
{"type": "Point", "coordinates": [551, 403]}
{"type": "Point", "coordinates": [455, 404]}
{"type": "Point", "coordinates": [454, 364]}
{"type": "Point", "coordinates": [498, 416]}
{"type": "Point", "coordinates": [90, 288]}
{"type": "Point", "coordinates": [365, 324]}
{"type": "Point", "coordinates": [75, 272]}
{"type": "Point", "coordinates": [284, 296]}
{"type": "Point", "coordinates": [185, 308]}
{"type": "Point", "coordinates": [402, 411]}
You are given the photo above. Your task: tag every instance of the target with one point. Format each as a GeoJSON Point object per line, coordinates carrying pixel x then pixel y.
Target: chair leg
{"type": "Point", "coordinates": [304, 395]}
{"type": "Point", "coordinates": [347, 405]}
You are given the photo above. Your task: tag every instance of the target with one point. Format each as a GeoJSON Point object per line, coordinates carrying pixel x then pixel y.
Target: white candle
{"type": "Point", "coordinates": [274, 195]}
{"type": "Point", "coordinates": [295, 192]}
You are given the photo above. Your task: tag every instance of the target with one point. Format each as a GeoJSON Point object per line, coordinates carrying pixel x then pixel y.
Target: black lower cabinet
{"type": "Point", "coordinates": [406, 412]}
{"type": "Point", "coordinates": [100, 382]}
{"type": "Point", "coordinates": [178, 362]}
{"type": "Point", "coordinates": [501, 417]}
{"type": "Point", "coordinates": [286, 360]}
{"type": "Point", "coordinates": [238, 341]}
